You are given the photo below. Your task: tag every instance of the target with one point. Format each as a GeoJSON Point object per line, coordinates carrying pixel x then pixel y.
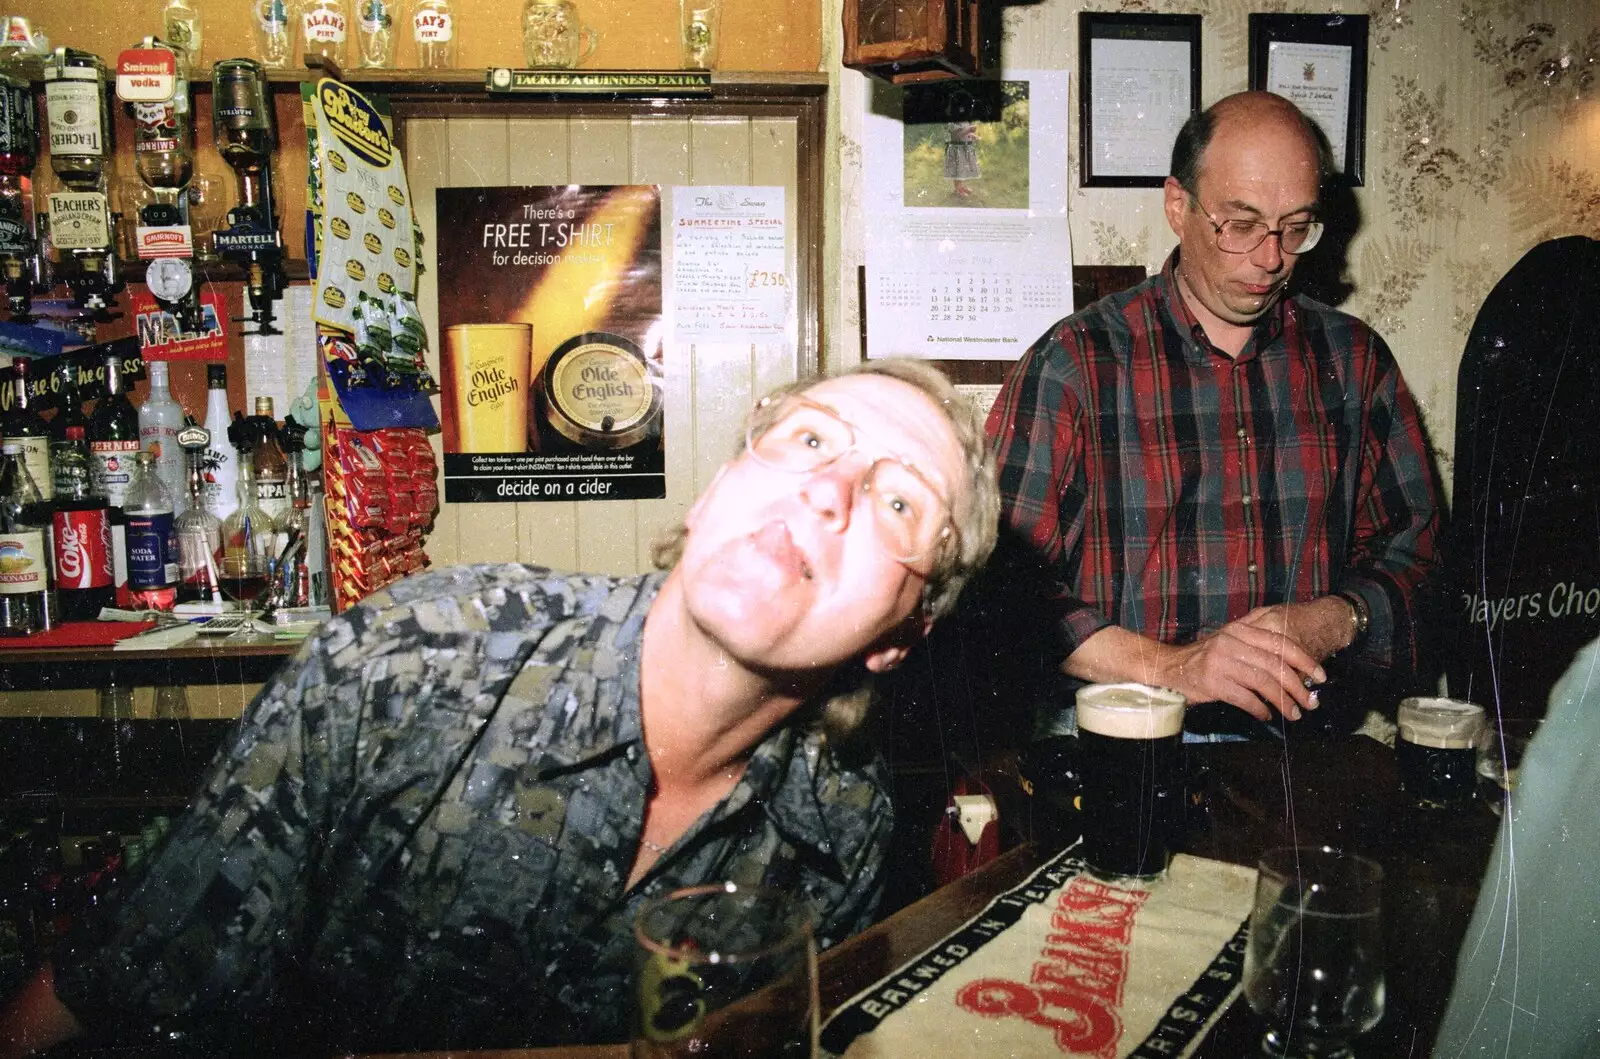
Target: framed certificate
{"type": "Point", "coordinates": [1139, 78]}
{"type": "Point", "coordinates": [1319, 62]}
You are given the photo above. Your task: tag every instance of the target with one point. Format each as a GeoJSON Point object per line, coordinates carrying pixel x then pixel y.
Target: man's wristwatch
{"type": "Point", "coordinates": [1360, 616]}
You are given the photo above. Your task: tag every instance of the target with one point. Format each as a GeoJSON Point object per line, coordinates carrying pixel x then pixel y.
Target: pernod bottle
{"type": "Point", "coordinates": [113, 436]}
{"type": "Point", "coordinates": [24, 561]}
{"type": "Point", "coordinates": [152, 539]}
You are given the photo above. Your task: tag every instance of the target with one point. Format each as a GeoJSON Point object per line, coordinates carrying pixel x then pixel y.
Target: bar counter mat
{"type": "Point", "coordinates": [1066, 965]}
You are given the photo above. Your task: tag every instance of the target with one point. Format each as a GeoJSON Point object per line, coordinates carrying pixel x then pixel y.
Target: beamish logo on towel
{"type": "Point", "coordinates": [1077, 983]}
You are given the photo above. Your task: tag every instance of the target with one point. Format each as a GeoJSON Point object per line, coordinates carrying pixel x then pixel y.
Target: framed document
{"type": "Point", "coordinates": [1139, 78]}
{"type": "Point", "coordinates": [1319, 62]}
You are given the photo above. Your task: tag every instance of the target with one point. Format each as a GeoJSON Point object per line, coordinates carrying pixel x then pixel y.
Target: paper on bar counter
{"type": "Point", "coordinates": [1067, 965]}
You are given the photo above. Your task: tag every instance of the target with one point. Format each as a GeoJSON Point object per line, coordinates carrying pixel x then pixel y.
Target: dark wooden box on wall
{"type": "Point", "coordinates": [909, 41]}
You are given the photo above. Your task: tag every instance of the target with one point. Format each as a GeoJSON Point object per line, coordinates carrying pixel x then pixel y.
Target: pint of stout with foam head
{"type": "Point", "coordinates": [1131, 767]}
{"type": "Point", "coordinates": [1437, 751]}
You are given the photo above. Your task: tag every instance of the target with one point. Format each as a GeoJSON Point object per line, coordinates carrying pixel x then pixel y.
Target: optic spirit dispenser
{"type": "Point", "coordinates": [78, 104]}
{"type": "Point", "coordinates": [242, 121]}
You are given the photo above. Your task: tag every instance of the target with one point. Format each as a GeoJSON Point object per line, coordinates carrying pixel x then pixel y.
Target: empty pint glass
{"type": "Point", "coordinates": [1130, 742]}
{"type": "Point", "coordinates": [1437, 751]}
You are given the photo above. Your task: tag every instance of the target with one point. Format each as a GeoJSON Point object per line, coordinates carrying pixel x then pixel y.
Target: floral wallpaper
{"type": "Point", "coordinates": [1483, 140]}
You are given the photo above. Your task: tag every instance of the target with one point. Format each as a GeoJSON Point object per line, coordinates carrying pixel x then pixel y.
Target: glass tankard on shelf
{"type": "Point", "coordinates": [552, 35]}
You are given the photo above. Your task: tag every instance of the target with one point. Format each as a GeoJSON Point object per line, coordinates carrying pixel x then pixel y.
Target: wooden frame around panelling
{"type": "Point", "coordinates": [595, 135]}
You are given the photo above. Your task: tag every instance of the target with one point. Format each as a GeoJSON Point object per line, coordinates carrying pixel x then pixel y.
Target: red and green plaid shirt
{"type": "Point", "coordinates": [1171, 488]}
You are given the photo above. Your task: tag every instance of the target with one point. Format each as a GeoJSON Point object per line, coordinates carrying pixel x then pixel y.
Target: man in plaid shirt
{"type": "Point", "coordinates": [1227, 483]}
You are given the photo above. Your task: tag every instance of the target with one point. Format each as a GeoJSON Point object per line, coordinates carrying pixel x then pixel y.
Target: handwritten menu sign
{"type": "Point", "coordinates": [731, 281]}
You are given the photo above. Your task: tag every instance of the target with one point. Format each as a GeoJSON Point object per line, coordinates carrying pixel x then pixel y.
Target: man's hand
{"type": "Point", "coordinates": [1252, 663]}
{"type": "Point", "coordinates": [1260, 663]}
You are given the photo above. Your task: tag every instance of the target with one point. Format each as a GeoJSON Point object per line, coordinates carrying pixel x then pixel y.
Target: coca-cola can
{"type": "Point", "coordinates": [82, 549]}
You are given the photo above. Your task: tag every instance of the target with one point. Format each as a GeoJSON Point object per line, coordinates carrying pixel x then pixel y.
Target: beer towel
{"type": "Point", "coordinates": [1066, 965]}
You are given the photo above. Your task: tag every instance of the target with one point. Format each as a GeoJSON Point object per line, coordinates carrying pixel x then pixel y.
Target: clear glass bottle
{"type": "Point", "coordinates": [324, 29]}
{"type": "Point", "coordinates": [247, 538]}
{"type": "Point", "coordinates": [274, 20]}
{"type": "Point", "coordinates": [160, 419]}
{"type": "Point", "coordinates": [433, 30]}
{"type": "Point", "coordinates": [375, 34]}
{"type": "Point", "coordinates": [152, 539]}
{"type": "Point", "coordinates": [180, 27]}
{"type": "Point", "coordinates": [199, 531]}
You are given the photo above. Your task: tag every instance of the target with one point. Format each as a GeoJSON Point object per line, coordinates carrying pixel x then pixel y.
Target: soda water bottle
{"type": "Point", "coordinates": [152, 538]}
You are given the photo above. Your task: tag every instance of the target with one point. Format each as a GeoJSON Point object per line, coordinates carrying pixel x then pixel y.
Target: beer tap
{"type": "Point", "coordinates": [157, 95]}
{"type": "Point", "coordinates": [19, 151]}
{"type": "Point", "coordinates": [242, 121]}
{"type": "Point", "coordinates": [81, 226]}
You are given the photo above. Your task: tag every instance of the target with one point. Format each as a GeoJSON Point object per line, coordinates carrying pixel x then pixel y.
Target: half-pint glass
{"type": "Point", "coordinates": [725, 972]}
{"type": "Point", "coordinates": [486, 377]}
{"type": "Point", "coordinates": [1130, 742]}
{"type": "Point", "coordinates": [1437, 751]}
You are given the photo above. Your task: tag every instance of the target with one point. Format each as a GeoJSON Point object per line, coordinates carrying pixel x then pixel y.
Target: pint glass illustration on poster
{"type": "Point", "coordinates": [551, 359]}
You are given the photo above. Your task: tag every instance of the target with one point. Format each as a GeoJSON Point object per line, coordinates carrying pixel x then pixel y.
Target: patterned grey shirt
{"type": "Point", "coordinates": [422, 832]}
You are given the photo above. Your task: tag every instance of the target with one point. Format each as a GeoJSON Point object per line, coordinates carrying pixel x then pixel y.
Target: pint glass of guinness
{"type": "Point", "coordinates": [1437, 751]}
{"type": "Point", "coordinates": [1130, 743]}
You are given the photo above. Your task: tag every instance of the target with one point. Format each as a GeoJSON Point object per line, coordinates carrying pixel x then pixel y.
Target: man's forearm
{"type": "Point", "coordinates": [1114, 654]}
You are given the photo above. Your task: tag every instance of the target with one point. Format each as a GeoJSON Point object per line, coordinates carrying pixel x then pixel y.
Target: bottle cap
{"type": "Point", "coordinates": [216, 376]}
{"type": "Point", "coordinates": [264, 407]}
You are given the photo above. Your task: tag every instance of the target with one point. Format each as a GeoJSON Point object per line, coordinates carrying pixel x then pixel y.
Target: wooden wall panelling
{"type": "Point", "coordinates": [480, 156]}
{"type": "Point", "coordinates": [774, 162]}
{"type": "Point", "coordinates": [608, 532]}
{"type": "Point", "coordinates": [661, 156]}
{"type": "Point", "coordinates": [427, 147]}
{"type": "Point", "coordinates": [541, 151]}
{"type": "Point", "coordinates": [724, 379]}
{"type": "Point", "coordinates": [757, 135]}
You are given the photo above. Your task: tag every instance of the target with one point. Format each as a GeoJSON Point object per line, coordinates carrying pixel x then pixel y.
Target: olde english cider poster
{"type": "Point", "coordinates": [551, 366]}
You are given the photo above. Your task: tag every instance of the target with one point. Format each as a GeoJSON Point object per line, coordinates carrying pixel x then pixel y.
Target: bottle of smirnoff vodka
{"type": "Point", "coordinates": [433, 30]}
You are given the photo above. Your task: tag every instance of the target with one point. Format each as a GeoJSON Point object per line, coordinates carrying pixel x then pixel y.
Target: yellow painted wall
{"type": "Point", "coordinates": [768, 35]}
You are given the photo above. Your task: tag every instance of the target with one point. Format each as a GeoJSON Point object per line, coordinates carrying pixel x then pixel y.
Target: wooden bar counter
{"type": "Point", "coordinates": [1342, 793]}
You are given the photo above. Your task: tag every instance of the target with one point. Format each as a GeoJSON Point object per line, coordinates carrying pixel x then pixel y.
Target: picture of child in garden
{"type": "Point", "coordinates": [967, 145]}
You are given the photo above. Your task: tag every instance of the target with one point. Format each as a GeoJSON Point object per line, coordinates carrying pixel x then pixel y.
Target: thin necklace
{"type": "Point", "coordinates": [651, 846]}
